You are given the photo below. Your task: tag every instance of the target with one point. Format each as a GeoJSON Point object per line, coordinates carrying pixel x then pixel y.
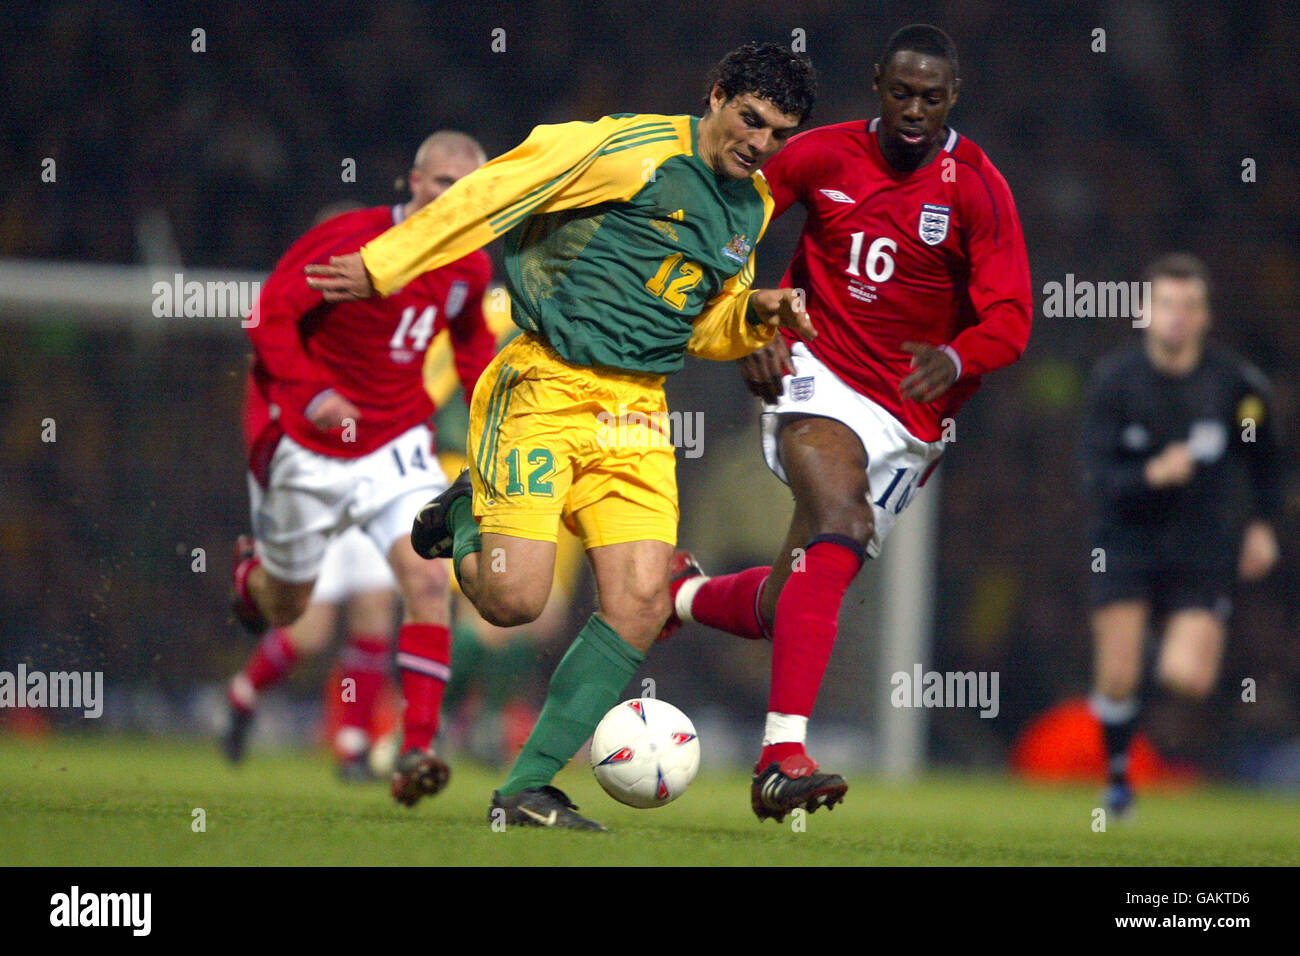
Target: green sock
{"type": "Point", "coordinates": [465, 531]}
{"type": "Point", "coordinates": [469, 654]}
{"type": "Point", "coordinates": [586, 684]}
{"type": "Point", "coordinates": [509, 670]}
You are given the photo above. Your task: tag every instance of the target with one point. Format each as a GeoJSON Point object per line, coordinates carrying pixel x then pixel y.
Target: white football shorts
{"type": "Point", "coordinates": [898, 463]}
{"type": "Point", "coordinates": [310, 498]}
{"type": "Point", "coordinates": [352, 565]}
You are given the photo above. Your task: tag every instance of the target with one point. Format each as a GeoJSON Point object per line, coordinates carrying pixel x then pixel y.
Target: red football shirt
{"type": "Point", "coordinates": [371, 351]}
{"type": "Point", "coordinates": [934, 255]}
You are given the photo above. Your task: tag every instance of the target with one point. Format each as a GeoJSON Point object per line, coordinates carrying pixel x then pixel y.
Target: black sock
{"type": "Point", "coordinates": [1118, 722]}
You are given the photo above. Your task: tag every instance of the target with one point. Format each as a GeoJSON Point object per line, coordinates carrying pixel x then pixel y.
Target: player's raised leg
{"type": "Point", "coordinates": [261, 600]}
{"type": "Point", "coordinates": [273, 586]}
{"type": "Point", "coordinates": [509, 579]}
{"type": "Point", "coordinates": [743, 603]}
{"type": "Point", "coordinates": [1118, 630]}
{"type": "Point", "coordinates": [269, 664]}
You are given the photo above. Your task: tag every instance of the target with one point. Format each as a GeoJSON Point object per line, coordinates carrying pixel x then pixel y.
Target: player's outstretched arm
{"type": "Point", "coordinates": [558, 167]}
{"type": "Point", "coordinates": [739, 319]}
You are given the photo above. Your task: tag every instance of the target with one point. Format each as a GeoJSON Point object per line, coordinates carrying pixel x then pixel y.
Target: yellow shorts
{"type": "Point", "coordinates": [552, 441]}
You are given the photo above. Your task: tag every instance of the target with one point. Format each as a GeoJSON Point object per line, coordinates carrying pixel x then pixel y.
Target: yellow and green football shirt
{"type": "Point", "coordinates": [622, 247]}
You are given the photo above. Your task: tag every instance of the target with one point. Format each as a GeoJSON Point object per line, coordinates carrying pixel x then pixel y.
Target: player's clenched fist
{"type": "Point", "coordinates": [344, 279]}
{"type": "Point", "coordinates": [783, 308]}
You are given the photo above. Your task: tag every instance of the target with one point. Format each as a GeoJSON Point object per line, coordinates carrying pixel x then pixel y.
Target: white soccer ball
{"type": "Point", "coordinates": [645, 753]}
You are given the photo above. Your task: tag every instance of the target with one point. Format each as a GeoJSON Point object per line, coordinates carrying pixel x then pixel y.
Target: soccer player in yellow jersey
{"type": "Point", "coordinates": [629, 242]}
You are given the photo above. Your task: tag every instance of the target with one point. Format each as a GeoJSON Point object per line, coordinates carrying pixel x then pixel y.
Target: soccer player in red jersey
{"type": "Point", "coordinates": [914, 266]}
{"type": "Point", "coordinates": [336, 428]}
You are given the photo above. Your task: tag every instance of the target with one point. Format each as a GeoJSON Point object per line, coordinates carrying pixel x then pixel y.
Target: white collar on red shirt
{"type": "Point", "coordinates": [947, 146]}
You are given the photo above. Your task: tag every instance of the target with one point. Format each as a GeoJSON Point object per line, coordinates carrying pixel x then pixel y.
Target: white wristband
{"type": "Point", "coordinates": [952, 354]}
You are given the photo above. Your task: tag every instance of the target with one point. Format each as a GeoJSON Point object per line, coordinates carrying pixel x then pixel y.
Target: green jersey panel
{"type": "Point", "coordinates": [620, 284]}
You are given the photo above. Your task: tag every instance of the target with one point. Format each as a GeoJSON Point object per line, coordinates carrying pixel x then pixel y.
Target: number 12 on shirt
{"type": "Point", "coordinates": [689, 275]}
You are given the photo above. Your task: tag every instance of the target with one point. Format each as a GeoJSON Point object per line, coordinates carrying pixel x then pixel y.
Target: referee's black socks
{"type": "Point", "coordinates": [1118, 721]}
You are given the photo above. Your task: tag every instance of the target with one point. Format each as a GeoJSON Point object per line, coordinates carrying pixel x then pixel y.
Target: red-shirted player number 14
{"type": "Point", "coordinates": [420, 332]}
{"type": "Point", "coordinates": [879, 264]}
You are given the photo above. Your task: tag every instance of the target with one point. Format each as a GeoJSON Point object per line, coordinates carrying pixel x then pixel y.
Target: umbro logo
{"type": "Point", "coordinates": [836, 195]}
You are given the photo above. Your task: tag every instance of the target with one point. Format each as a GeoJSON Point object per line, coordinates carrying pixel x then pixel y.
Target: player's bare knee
{"type": "Point", "coordinates": [658, 607]}
{"type": "Point", "coordinates": [426, 583]}
{"type": "Point", "coordinates": [1190, 682]}
{"type": "Point", "coordinates": [510, 612]}
{"type": "Point", "coordinates": [638, 617]}
{"type": "Point", "coordinates": [510, 606]}
{"type": "Point", "coordinates": [287, 604]}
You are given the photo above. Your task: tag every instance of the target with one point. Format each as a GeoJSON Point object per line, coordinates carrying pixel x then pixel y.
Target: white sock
{"type": "Point", "coordinates": [1112, 711]}
{"type": "Point", "coordinates": [784, 728]}
{"type": "Point", "coordinates": [352, 741]}
{"type": "Point", "coordinates": [686, 596]}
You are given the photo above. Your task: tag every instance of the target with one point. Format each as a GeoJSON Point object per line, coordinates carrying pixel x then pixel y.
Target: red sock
{"type": "Point", "coordinates": [272, 660]}
{"type": "Point", "coordinates": [730, 603]}
{"type": "Point", "coordinates": [365, 663]}
{"type": "Point", "coordinates": [424, 657]}
{"type": "Point", "coordinates": [775, 753]}
{"type": "Point", "coordinates": [242, 570]}
{"type": "Point", "coordinates": [807, 614]}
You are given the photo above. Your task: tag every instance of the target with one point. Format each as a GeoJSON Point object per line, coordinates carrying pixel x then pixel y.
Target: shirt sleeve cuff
{"type": "Point", "coordinates": [315, 403]}
{"type": "Point", "coordinates": [952, 354]}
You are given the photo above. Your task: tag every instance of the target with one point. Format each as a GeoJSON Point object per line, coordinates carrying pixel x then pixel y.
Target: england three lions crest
{"type": "Point", "coordinates": [933, 225]}
{"type": "Point", "coordinates": [456, 298]}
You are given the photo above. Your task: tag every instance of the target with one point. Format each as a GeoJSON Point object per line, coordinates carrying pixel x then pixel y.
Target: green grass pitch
{"type": "Point", "coordinates": [91, 802]}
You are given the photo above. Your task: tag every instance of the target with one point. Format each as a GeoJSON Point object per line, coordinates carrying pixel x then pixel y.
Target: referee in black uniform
{"type": "Point", "coordinates": [1180, 464]}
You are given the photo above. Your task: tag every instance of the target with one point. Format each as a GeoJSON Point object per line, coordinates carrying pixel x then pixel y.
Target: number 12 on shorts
{"type": "Point", "coordinates": [539, 479]}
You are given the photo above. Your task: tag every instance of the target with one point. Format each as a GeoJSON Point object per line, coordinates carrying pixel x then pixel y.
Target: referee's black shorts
{"type": "Point", "coordinates": [1166, 586]}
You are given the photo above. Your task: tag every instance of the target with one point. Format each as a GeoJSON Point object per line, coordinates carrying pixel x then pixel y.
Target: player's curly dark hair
{"type": "Point", "coordinates": [771, 72]}
{"type": "Point", "coordinates": [921, 38]}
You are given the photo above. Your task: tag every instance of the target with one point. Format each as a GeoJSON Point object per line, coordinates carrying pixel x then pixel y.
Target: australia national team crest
{"type": "Point", "coordinates": [801, 389]}
{"type": "Point", "coordinates": [737, 250]}
{"type": "Point", "coordinates": [933, 225]}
